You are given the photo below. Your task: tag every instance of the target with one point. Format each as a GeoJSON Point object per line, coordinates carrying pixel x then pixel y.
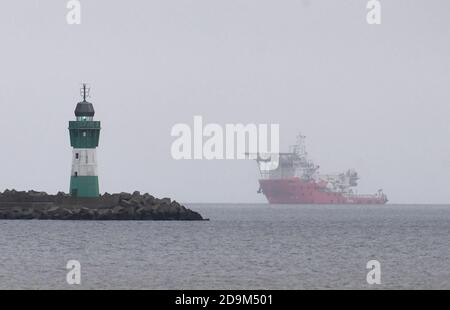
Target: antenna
{"type": "Point", "coordinates": [85, 90]}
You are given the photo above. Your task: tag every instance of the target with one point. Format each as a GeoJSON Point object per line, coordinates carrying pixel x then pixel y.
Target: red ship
{"type": "Point", "coordinates": [296, 180]}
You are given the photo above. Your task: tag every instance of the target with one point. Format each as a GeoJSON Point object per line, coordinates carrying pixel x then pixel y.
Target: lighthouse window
{"type": "Point", "coordinates": [77, 156]}
{"type": "Point", "coordinates": [76, 174]}
{"type": "Point", "coordinates": [84, 118]}
{"type": "Point", "coordinates": [84, 133]}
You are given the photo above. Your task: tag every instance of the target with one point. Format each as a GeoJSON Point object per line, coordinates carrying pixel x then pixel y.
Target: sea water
{"type": "Point", "coordinates": [242, 247]}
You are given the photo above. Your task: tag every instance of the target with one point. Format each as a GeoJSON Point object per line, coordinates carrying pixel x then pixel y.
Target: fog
{"type": "Point", "coordinates": [375, 98]}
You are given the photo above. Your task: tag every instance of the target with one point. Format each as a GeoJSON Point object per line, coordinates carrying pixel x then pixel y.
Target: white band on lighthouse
{"type": "Point", "coordinates": [84, 162]}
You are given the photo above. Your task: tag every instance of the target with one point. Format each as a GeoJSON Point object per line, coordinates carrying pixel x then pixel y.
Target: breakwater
{"type": "Point", "coordinates": [20, 205]}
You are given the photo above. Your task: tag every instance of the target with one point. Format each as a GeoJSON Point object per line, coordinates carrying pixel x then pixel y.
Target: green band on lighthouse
{"type": "Point", "coordinates": [84, 186]}
{"type": "Point", "coordinates": [84, 134]}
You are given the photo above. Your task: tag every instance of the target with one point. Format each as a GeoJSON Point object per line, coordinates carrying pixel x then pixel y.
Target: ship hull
{"type": "Point", "coordinates": [297, 191]}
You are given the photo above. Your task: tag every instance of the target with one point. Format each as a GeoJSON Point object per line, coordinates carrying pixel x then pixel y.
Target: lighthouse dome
{"type": "Point", "coordinates": [84, 108]}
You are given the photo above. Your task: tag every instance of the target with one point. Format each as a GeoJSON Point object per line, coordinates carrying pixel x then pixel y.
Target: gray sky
{"type": "Point", "coordinates": [373, 98]}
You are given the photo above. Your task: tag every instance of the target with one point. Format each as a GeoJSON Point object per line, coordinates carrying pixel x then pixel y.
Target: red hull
{"type": "Point", "coordinates": [297, 191]}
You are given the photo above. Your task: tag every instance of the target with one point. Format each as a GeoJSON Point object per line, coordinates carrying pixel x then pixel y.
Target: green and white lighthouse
{"type": "Point", "coordinates": [84, 137]}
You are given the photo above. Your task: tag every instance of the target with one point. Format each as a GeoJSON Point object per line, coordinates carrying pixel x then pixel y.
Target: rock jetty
{"type": "Point", "coordinates": [15, 205]}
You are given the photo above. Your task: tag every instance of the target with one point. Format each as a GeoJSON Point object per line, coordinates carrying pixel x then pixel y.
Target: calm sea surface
{"type": "Point", "coordinates": [242, 247]}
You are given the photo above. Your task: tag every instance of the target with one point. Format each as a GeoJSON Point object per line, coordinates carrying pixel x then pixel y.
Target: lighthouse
{"type": "Point", "coordinates": [84, 137]}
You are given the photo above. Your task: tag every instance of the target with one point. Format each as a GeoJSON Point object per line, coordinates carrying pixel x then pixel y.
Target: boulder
{"type": "Point", "coordinates": [124, 196]}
